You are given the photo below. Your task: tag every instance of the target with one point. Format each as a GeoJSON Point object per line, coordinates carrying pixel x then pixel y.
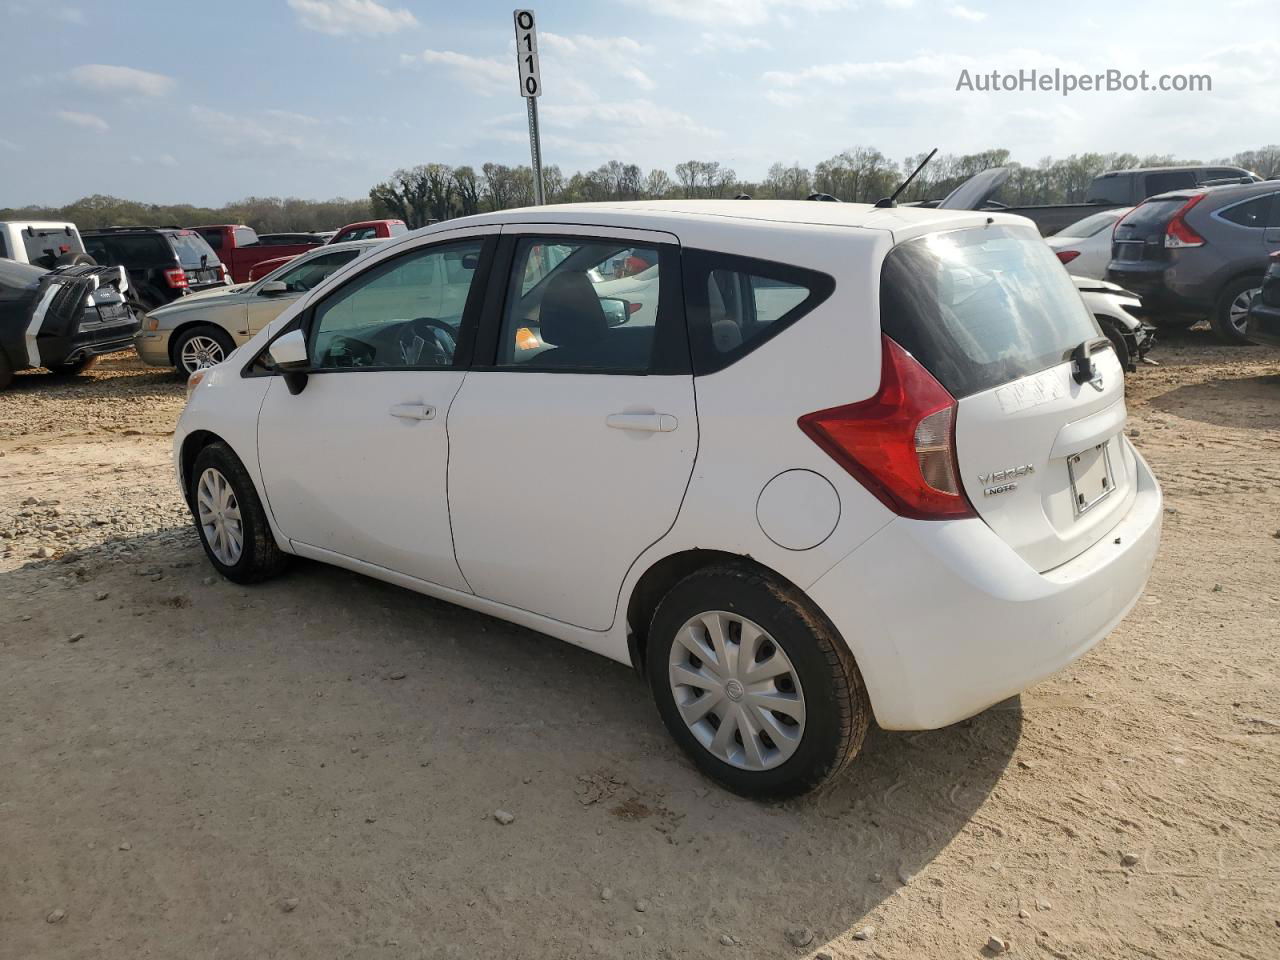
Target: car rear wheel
{"type": "Point", "coordinates": [229, 518]}
{"type": "Point", "coordinates": [1232, 310]}
{"type": "Point", "coordinates": [201, 347]}
{"type": "Point", "coordinates": [754, 683]}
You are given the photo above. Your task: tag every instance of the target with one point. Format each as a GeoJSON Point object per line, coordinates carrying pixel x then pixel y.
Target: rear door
{"type": "Point", "coordinates": [573, 437]}
{"type": "Point", "coordinates": [991, 313]}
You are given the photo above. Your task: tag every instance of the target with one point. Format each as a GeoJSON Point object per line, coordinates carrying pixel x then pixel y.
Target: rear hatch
{"type": "Point", "coordinates": [199, 262]}
{"type": "Point", "coordinates": [993, 316]}
{"type": "Point", "coordinates": [1138, 241]}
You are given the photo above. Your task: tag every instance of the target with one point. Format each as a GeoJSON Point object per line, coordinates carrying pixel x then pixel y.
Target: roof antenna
{"type": "Point", "coordinates": [893, 200]}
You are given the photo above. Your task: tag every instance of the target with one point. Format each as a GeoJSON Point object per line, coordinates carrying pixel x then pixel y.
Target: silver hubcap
{"type": "Point", "coordinates": [200, 352]}
{"type": "Point", "coordinates": [1238, 314]}
{"type": "Point", "coordinates": [219, 513]}
{"type": "Point", "coordinates": [737, 691]}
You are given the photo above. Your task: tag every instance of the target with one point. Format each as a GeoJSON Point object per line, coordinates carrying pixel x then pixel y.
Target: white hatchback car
{"type": "Point", "coordinates": [802, 464]}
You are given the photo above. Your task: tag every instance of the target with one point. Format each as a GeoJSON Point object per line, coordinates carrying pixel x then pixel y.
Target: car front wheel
{"type": "Point", "coordinates": [754, 683]}
{"type": "Point", "coordinates": [201, 347]}
{"type": "Point", "coordinates": [229, 517]}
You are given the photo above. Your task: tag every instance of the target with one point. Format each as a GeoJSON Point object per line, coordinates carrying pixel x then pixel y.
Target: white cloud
{"type": "Point", "coordinates": [642, 118]}
{"type": "Point", "coordinates": [86, 120]}
{"type": "Point", "coordinates": [9, 145]}
{"type": "Point", "coordinates": [730, 43]}
{"type": "Point", "coordinates": [961, 12]}
{"type": "Point", "coordinates": [488, 75]}
{"type": "Point", "coordinates": [239, 132]}
{"type": "Point", "coordinates": [615, 55]}
{"type": "Point", "coordinates": [70, 15]}
{"type": "Point", "coordinates": [341, 18]}
{"type": "Point", "coordinates": [740, 13]}
{"type": "Point", "coordinates": [126, 81]}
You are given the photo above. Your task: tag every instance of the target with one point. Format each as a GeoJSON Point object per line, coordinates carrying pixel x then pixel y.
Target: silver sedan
{"type": "Point", "coordinates": [202, 329]}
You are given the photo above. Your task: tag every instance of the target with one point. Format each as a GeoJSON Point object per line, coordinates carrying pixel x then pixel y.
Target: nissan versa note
{"type": "Point", "coordinates": [802, 464]}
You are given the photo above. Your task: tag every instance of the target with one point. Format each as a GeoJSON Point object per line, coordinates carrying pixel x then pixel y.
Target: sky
{"type": "Point", "coordinates": [203, 103]}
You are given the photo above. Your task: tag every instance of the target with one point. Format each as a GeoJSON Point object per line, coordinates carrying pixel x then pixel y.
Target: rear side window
{"type": "Point", "coordinates": [1111, 189]}
{"type": "Point", "coordinates": [1157, 183]}
{"type": "Point", "coordinates": [131, 250]}
{"type": "Point", "coordinates": [397, 229]}
{"type": "Point", "coordinates": [245, 237]}
{"type": "Point", "coordinates": [212, 237]}
{"type": "Point", "coordinates": [981, 307]}
{"type": "Point", "coordinates": [735, 304]}
{"type": "Point", "coordinates": [1252, 213]}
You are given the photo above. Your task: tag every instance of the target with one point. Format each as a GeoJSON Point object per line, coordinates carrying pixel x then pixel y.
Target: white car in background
{"type": "Point", "coordinates": [1085, 246]}
{"type": "Point", "coordinates": [202, 329]}
{"type": "Point", "coordinates": [861, 463]}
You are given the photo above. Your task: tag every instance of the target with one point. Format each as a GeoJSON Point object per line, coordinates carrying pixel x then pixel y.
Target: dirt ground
{"type": "Point", "coordinates": [310, 768]}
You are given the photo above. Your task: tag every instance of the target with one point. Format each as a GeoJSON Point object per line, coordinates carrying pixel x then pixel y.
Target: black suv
{"type": "Point", "coordinates": [164, 263]}
{"type": "Point", "coordinates": [61, 319]}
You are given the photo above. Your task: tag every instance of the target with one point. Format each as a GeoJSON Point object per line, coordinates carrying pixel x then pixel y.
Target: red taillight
{"type": "Point", "coordinates": [1066, 256]}
{"type": "Point", "coordinates": [900, 443]}
{"type": "Point", "coordinates": [1178, 233]}
{"type": "Point", "coordinates": [176, 277]}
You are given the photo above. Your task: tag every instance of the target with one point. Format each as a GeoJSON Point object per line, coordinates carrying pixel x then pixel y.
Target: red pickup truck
{"type": "Point", "coordinates": [363, 230]}
{"type": "Point", "coordinates": [238, 248]}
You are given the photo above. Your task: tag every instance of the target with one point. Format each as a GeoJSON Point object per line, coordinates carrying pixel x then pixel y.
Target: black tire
{"type": "Point", "coordinates": [837, 711]}
{"type": "Point", "coordinates": [74, 368]}
{"type": "Point", "coordinates": [1220, 319]}
{"type": "Point", "coordinates": [6, 371]}
{"type": "Point", "coordinates": [260, 557]}
{"type": "Point", "coordinates": [1112, 329]}
{"type": "Point", "coordinates": [206, 331]}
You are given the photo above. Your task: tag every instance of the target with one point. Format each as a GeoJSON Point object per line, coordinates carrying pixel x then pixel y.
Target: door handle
{"type": "Point", "coordinates": [647, 422]}
{"type": "Point", "coordinates": [413, 411]}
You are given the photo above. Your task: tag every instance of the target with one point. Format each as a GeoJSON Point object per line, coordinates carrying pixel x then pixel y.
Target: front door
{"type": "Point", "coordinates": [574, 436]}
{"type": "Point", "coordinates": [356, 462]}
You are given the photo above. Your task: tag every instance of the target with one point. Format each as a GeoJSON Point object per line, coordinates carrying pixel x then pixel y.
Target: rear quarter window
{"type": "Point", "coordinates": [982, 306]}
{"type": "Point", "coordinates": [737, 304]}
{"type": "Point", "coordinates": [1254, 213]}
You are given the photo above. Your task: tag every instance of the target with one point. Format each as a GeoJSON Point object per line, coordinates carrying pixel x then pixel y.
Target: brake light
{"type": "Point", "coordinates": [176, 277]}
{"type": "Point", "coordinates": [1178, 233]}
{"type": "Point", "coordinates": [899, 444]}
{"type": "Point", "coordinates": [1066, 256]}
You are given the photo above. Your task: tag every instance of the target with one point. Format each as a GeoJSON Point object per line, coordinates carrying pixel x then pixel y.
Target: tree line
{"type": "Point", "coordinates": [437, 191]}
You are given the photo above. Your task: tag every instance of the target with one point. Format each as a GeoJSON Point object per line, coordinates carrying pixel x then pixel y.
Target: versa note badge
{"type": "Point", "coordinates": [1002, 481]}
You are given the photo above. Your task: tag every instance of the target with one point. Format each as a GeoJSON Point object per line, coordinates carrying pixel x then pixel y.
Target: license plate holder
{"type": "Point", "coordinates": [1092, 479]}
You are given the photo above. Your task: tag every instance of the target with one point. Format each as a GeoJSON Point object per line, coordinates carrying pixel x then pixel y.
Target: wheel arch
{"type": "Point", "coordinates": [192, 444]}
{"type": "Point", "coordinates": [665, 573]}
{"type": "Point", "coordinates": [177, 332]}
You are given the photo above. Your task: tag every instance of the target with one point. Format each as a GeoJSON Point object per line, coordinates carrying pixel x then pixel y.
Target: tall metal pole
{"type": "Point", "coordinates": [535, 150]}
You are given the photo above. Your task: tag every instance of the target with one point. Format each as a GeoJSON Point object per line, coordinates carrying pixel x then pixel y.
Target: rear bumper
{"type": "Point", "coordinates": [1159, 292]}
{"type": "Point", "coordinates": [945, 619]}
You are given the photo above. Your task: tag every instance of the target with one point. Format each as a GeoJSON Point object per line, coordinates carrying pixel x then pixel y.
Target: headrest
{"type": "Point", "coordinates": [571, 314]}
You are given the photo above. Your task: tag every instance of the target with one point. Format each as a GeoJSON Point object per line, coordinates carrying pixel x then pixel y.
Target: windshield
{"type": "Point", "coordinates": [982, 306]}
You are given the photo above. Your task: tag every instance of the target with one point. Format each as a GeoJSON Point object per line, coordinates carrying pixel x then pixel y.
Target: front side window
{"type": "Point", "coordinates": [737, 303]}
{"type": "Point", "coordinates": [401, 314]}
{"type": "Point", "coordinates": [130, 250]}
{"type": "Point", "coordinates": [589, 305]}
{"type": "Point", "coordinates": [1158, 183]}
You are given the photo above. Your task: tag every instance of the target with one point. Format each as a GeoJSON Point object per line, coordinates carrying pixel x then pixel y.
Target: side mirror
{"type": "Point", "coordinates": [273, 288]}
{"type": "Point", "coordinates": [289, 355]}
{"type": "Point", "coordinates": [616, 310]}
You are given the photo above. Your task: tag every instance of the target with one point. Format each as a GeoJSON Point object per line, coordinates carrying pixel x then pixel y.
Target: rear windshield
{"type": "Point", "coordinates": [1089, 226]}
{"type": "Point", "coordinates": [1110, 189]}
{"type": "Point", "coordinates": [45, 245]}
{"type": "Point", "coordinates": [1154, 213]}
{"type": "Point", "coordinates": [190, 247]}
{"type": "Point", "coordinates": [982, 306]}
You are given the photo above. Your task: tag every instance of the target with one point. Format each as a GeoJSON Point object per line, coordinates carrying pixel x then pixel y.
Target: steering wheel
{"type": "Point", "coordinates": [439, 338]}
